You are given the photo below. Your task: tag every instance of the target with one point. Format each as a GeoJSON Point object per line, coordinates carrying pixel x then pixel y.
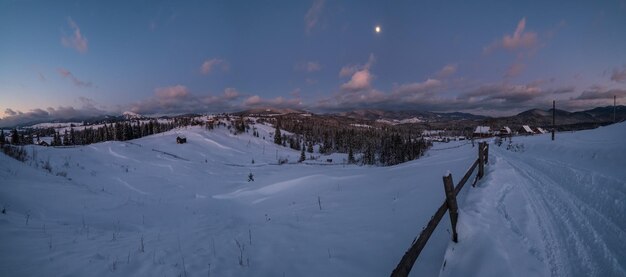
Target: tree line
{"type": "Point", "coordinates": [381, 144]}
{"type": "Point", "coordinates": [120, 131]}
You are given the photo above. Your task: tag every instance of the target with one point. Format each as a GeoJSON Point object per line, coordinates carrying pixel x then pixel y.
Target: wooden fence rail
{"type": "Point", "coordinates": [408, 260]}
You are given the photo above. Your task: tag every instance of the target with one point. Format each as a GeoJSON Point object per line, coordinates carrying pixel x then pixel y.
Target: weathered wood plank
{"type": "Point", "coordinates": [468, 174]}
{"type": "Point", "coordinates": [481, 160]}
{"type": "Point", "coordinates": [404, 266]}
{"type": "Point", "coordinates": [453, 209]}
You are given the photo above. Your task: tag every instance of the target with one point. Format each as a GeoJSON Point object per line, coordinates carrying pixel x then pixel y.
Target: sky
{"type": "Point", "coordinates": [62, 59]}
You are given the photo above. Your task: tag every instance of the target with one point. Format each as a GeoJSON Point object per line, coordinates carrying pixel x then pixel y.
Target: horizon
{"type": "Point", "coordinates": [69, 60]}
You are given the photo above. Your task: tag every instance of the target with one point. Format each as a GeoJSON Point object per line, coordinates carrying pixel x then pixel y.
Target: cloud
{"type": "Point", "coordinates": [504, 93]}
{"type": "Point", "coordinates": [361, 78]}
{"type": "Point", "coordinates": [417, 88]}
{"type": "Point", "coordinates": [619, 75]}
{"type": "Point", "coordinates": [18, 118]}
{"type": "Point", "coordinates": [67, 74]}
{"type": "Point", "coordinates": [10, 112]}
{"type": "Point", "coordinates": [256, 101]}
{"type": "Point", "coordinates": [231, 94]}
{"type": "Point", "coordinates": [312, 15]}
{"type": "Point", "coordinates": [173, 92]}
{"type": "Point", "coordinates": [514, 70]}
{"type": "Point", "coordinates": [446, 71]}
{"type": "Point", "coordinates": [348, 70]}
{"type": "Point", "coordinates": [520, 39]}
{"type": "Point", "coordinates": [208, 65]}
{"type": "Point", "coordinates": [310, 66]}
{"type": "Point", "coordinates": [76, 40]}
{"type": "Point", "coordinates": [178, 99]}
{"type": "Point", "coordinates": [597, 94]}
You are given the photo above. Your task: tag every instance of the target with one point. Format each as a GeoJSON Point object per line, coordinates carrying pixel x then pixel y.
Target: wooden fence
{"type": "Point", "coordinates": [404, 266]}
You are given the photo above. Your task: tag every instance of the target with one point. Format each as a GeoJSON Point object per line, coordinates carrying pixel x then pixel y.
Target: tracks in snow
{"type": "Point", "coordinates": [579, 238]}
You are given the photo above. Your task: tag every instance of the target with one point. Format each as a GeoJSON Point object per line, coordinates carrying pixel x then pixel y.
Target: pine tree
{"type": "Point", "coordinates": [1, 137]}
{"type": "Point", "coordinates": [350, 156]}
{"type": "Point", "coordinates": [66, 138]}
{"type": "Point", "coordinates": [15, 137]}
{"type": "Point", "coordinates": [278, 139]}
{"type": "Point", "coordinates": [302, 155]}
{"type": "Point", "coordinates": [309, 148]}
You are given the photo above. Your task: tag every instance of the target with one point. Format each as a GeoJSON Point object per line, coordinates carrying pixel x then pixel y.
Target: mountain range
{"type": "Point", "coordinates": [533, 117]}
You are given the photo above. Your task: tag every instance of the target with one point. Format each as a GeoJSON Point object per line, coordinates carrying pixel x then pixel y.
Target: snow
{"type": "Point", "coordinates": [151, 207]}
{"type": "Point", "coordinates": [554, 209]}
{"type": "Point", "coordinates": [482, 130]}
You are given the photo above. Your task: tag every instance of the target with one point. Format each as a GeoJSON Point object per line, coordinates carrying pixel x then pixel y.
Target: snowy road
{"type": "Point", "coordinates": [582, 232]}
{"type": "Point", "coordinates": [551, 209]}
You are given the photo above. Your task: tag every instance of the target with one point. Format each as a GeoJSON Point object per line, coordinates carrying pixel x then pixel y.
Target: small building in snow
{"type": "Point", "coordinates": [505, 132]}
{"type": "Point", "coordinates": [482, 132]}
{"type": "Point", "coordinates": [181, 140]}
{"type": "Point", "coordinates": [526, 130]}
{"type": "Point", "coordinates": [541, 131]}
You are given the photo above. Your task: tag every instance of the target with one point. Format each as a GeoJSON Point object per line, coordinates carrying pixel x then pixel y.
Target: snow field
{"type": "Point", "coordinates": [151, 207]}
{"type": "Point", "coordinates": [556, 208]}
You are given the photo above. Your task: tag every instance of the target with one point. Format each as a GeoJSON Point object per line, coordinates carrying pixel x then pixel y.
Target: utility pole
{"type": "Point", "coordinates": [614, 104]}
{"type": "Point", "coordinates": [553, 117]}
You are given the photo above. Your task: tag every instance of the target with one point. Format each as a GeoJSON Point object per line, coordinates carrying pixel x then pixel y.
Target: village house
{"type": "Point", "coordinates": [482, 132]}
{"type": "Point", "coordinates": [526, 130]}
{"type": "Point", "coordinates": [540, 130]}
{"type": "Point", "coordinates": [505, 132]}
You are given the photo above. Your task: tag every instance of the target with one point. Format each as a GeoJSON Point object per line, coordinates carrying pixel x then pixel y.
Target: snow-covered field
{"type": "Point", "coordinates": [551, 208]}
{"type": "Point", "coordinates": [151, 207]}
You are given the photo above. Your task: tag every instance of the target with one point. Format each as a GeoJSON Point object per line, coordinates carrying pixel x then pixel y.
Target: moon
{"type": "Point", "coordinates": [377, 29]}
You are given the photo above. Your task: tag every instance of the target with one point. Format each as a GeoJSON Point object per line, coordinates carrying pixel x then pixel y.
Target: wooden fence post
{"type": "Point", "coordinates": [486, 153]}
{"type": "Point", "coordinates": [481, 161]}
{"type": "Point", "coordinates": [448, 185]}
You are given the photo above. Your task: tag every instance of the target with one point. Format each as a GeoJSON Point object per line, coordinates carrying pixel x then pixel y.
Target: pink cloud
{"type": "Point", "coordinates": [77, 40]}
{"type": "Point", "coordinates": [515, 70]}
{"type": "Point", "coordinates": [252, 100]}
{"type": "Point", "coordinates": [348, 70]}
{"type": "Point", "coordinates": [208, 65]}
{"type": "Point", "coordinates": [278, 102]}
{"type": "Point", "coordinates": [417, 88]}
{"type": "Point", "coordinates": [67, 74]}
{"type": "Point", "coordinates": [312, 15]}
{"type": "Point", "coordinates": [230, 94]}
{"type": "Point", "coordinates": [178, 99]}
{"type": "Point", "coordinates": [520, 39]}
{"type": "Point", "coordinates": [447, 71]}
{"type": "Point", "coordinates": [361, 78]}
{"type": "Point", "coordinates": [178, 91]}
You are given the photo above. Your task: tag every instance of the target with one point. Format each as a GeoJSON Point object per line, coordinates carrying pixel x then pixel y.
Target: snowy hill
{"type": "Point", "coordinates": [549, 208]}
{"type": "Point", "coordinates": [151, 207]}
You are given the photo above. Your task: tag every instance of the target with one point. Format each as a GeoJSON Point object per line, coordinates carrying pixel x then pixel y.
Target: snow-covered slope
{"type": "Point", "coordinates": [551, 208]}
{"type": "Point", "coordinates": [151, 207]}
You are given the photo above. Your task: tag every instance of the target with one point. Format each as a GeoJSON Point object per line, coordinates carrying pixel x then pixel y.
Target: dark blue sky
{"type": "Point", "coordinates": [485, 57]}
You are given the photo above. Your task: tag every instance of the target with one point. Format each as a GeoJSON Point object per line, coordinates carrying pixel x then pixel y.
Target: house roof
{"type": "Point", "coordinates": [527, 129]}
{"type": "Point", "coordinates": [506, 130]}
{"type": "Point", "coordinates": [482, 130]}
